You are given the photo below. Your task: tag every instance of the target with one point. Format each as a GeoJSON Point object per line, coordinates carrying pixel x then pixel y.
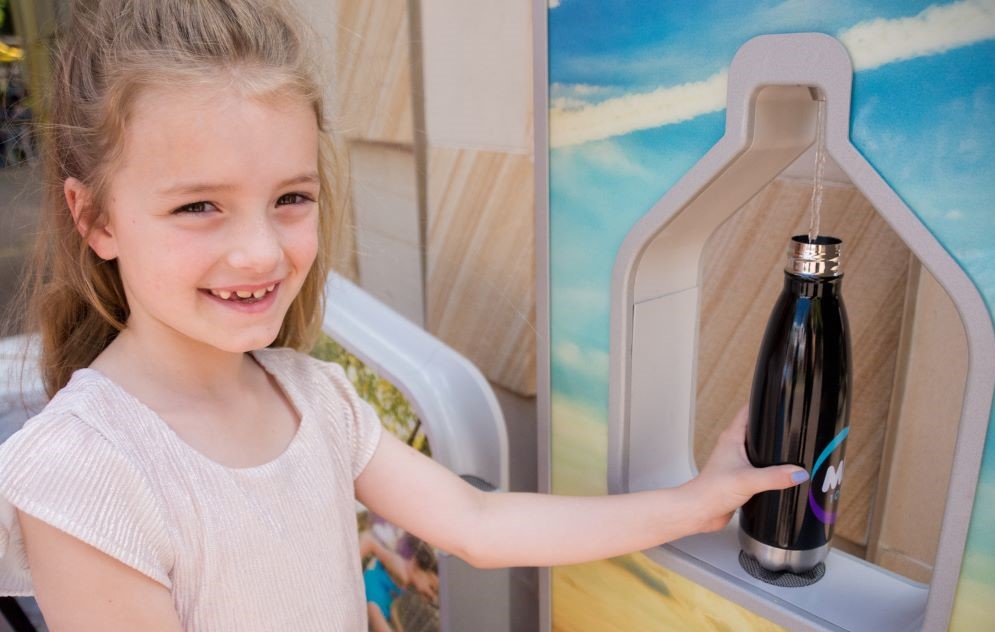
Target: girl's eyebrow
{"type": "Point", "coordinates": [202, 187]}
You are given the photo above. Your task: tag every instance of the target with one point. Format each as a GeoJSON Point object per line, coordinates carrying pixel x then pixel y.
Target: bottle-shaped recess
{"type": "Point", "coordinates": [800, 411]}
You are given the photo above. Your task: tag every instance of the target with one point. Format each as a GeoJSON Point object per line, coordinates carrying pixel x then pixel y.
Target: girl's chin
{"type": "Point", "coordinates": [253, 342]}
{"type": "Point", "coordinates": [244, 341]}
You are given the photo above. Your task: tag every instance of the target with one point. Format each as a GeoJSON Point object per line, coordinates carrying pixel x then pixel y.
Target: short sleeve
{"type": "Point", "coordinates": [362, 423]}
{"type": "Point", "coordinates": [66, 473]}
{"type": "Point", "coordinates": [366, 436]}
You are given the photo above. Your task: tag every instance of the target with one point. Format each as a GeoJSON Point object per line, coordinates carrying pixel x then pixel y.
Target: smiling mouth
{"type": "Point", "coordinates": [243, 296]}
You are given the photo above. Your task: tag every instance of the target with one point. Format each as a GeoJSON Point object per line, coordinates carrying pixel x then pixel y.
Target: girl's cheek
{"type": "Point", "coordinates": [306, 256]}
{"type": "Point", "coordinates": [305, 243]}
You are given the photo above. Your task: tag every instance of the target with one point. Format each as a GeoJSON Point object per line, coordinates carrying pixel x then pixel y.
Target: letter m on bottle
{"type": "Point", "coordinates": [834, 476]}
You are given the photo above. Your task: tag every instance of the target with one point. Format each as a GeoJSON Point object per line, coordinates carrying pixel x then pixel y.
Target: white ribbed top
{"type": "Point", "coordinates": [270, 547]}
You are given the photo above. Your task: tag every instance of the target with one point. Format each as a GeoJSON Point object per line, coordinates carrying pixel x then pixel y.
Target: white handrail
{"type": "Point", "coordinates": [460, 413]}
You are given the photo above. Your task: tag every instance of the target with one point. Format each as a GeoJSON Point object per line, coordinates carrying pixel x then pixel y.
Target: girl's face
{"type": "Point", "coordinates": [212, 215]}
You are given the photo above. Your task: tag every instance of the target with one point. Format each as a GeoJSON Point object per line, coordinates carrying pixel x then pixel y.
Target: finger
{"type": "Point", "coordinates": [777, 477]}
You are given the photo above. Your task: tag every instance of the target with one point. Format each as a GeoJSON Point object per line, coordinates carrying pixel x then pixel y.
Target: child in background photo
{"type": "Point", "coordinates": [195, 469]}
{"type": "Point", "coordinates": [412, 567]}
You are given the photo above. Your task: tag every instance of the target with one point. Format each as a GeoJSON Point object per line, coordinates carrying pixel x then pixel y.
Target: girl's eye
{"type": "Point", "coordinates": [293, 198]}
{"type": "Point", "coordinates": [195, 208]}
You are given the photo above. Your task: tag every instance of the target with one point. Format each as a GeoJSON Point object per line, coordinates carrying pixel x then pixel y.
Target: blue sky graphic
{"type": "Point", "coordinates": [637, 46]}
{"type": "Point", "coordinates": [926, 124]}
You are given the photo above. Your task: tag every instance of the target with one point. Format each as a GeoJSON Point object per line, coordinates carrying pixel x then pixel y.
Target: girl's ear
{"type": "Point", "coordinates": [101, 238]}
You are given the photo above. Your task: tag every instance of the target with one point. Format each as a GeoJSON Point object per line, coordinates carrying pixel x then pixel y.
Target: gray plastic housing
{"type": "Point", "coordinates": [773, 83]}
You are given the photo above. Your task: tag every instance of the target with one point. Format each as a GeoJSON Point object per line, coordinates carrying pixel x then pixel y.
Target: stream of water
{"type": "Point", "coordinates": [820, 167]}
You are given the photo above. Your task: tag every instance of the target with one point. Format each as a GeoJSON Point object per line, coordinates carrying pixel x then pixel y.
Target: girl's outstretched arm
{"type": "Point", "coordinates": [520, 529]}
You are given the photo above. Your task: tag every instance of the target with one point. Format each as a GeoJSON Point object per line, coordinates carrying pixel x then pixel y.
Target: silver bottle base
{"type": "Point", "coordinates": [777, 559]}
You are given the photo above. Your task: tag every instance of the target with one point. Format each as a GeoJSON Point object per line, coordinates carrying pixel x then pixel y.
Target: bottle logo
{"type": "Point", "coordinates": [834, 478]}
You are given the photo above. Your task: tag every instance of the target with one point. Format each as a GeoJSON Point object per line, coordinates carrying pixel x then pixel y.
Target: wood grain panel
{"type": "Point", "coordinates": [743, 274]}
{"type": "Point", "coordinates": [926, 411]}
{"type": "Point", "coordinates": [480, 294]}
{"type": "Point", "coordinates": [372, 82]}
{"type": "Point", "coordinates": [904, 565]}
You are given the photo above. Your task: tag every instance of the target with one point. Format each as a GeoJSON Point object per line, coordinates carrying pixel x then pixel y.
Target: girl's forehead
{"type": "Point", "coordinates": [203, 109]}
{"type": "Point", "coordinates": [185, 134]}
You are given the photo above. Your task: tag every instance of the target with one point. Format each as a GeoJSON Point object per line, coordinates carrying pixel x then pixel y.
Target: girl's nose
{"type": "Point", "coordinates": [256, 246]}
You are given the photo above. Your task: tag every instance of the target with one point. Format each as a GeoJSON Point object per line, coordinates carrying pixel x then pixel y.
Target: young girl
{"type": "Point", "coordinates": [194, 470]}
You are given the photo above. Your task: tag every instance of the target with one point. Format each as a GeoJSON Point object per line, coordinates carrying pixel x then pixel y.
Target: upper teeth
{"type": "Point", "coordinates": [261, 292]}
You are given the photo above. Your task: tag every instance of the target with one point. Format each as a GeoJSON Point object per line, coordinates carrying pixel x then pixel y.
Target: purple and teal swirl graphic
{"type": "Point", "coordinates": [825, 517]}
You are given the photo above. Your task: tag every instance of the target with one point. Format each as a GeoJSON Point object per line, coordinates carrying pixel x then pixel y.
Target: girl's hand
{"type": "Point", "coordinates": [728, 479]}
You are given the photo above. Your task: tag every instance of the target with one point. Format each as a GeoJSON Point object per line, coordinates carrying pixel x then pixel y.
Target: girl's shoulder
{"type": "Point", "coordinates": [74, 412]}
{"type": "Point", "coordinates": [298, 366]}
{"type": "Point", "coordinates": [85, 427]}
{"type": "Point", "coordinates": [352, 423]}
{"type": "Point", "coordinates": [65, 466]}
{"type": "Point", "coordinates": [322, 383]}
{"type": "Point", "coordinates": [89, 405]}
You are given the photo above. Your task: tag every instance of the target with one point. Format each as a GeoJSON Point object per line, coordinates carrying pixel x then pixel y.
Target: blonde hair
{"type": "Point", "coordinates": [110, 52]}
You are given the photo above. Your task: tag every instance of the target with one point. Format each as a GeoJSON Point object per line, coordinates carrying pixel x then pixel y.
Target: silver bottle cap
{"type": "Point", "coordinates": [819, 258]}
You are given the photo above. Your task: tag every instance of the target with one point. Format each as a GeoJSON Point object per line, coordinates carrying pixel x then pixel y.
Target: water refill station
{"type": "Point", "coordinates": [774, 87]}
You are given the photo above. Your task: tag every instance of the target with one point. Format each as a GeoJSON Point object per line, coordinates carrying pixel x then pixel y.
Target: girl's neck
{"type": "Point", "coordinates": [176, 363]}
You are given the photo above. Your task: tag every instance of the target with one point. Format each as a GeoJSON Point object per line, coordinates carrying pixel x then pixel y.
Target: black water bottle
{"type": "Point", "coordinates": [800, 411]}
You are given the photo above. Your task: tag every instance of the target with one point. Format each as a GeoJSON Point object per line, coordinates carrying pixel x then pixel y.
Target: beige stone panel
{"type": "Point", "coordinates": [384, 189]}
{"type": "Point", "coordinates": [390, 270]}
{"type": "Point", "coordinates": [477, 68]}
{"type": "Point", "coordinates": [742, 271]}
{"type": "Point", "coordinates": [480, 290]}
{"type": "Point", "coordinates": [388, 242]}
{"type": "Point", "coordinates": [926, 413]}
{"type": "Point", "coordinates": [371, 92]}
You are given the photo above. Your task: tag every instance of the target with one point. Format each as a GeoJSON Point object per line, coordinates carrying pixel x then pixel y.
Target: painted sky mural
{"type": "Point", "coordinates": [637, 94]}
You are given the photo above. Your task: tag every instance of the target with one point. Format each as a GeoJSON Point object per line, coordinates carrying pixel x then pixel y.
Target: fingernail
{"type": "Point", "coordinates": [799, 477]}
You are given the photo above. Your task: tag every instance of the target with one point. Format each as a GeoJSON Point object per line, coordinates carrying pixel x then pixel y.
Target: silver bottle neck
{"type": "Point", "coordinates": [819, 258]}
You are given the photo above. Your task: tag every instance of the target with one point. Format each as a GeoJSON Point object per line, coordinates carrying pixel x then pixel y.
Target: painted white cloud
{"type": "Point", "coordinates": [590, 362]}
{"type": "Point", "coordinates": [554, 3]}
{"type": "Point", "coordinates": [574, 96]}
{"type": "Point", "coordinates": [586, 90]}
{"type": "Point", "coordinates": [632, 112]}
{"type": "Point", "coordinates": [872, 43]}
{"type": "Point", "coordinates": [567, 103]}
{"type": "Point", "coordinates": [936, 29]}
{"type": "Point", "coordinates": [611, 156]}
